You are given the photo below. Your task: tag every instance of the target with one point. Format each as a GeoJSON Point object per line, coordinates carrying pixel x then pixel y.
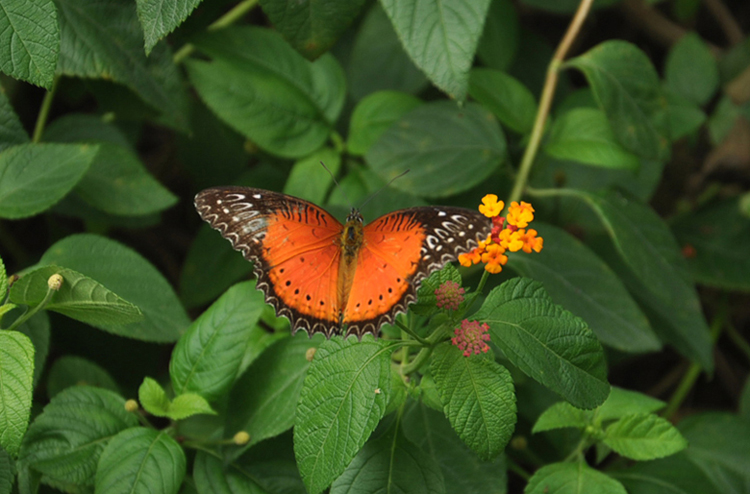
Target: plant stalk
{"type": "Point", "coordinates": [41, 120]}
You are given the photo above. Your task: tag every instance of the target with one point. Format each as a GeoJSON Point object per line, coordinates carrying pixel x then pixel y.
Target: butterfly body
{"type": "Point", "coordinates": [333, 278]}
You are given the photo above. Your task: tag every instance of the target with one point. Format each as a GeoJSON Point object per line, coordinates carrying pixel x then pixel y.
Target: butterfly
{"type": "Point", "coordinates": [332, 278]}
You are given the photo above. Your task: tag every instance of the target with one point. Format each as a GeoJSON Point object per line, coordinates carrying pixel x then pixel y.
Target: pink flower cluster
{"type": "Point", "coordinates": [472, 337]}
{"type": "Point", "coordinates": [449, 295]}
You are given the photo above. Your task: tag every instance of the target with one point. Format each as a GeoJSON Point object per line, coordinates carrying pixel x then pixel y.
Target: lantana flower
{"type": "Point", "coordinates": [449, 295]}
{"type": "Point", "coordinates": [472, 337]}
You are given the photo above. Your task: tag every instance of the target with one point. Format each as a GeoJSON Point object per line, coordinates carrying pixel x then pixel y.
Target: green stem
{"type": "Point", "coordinates": [411, 333]}
{"type": "Point", "coordinates": [545, 102]}
{"type": "Point", "coordinates": [738, 340]}
{"type": "Point", "coordinates": [30, 313]}
{"type": "Point", "coordinates": [41, 120]}
{"type": "Point", "coordinates": [420, 359]}
{"type": "Point", "coordinates": [517, 469]}
{"type": "Point", "coordinates": [225, 20]}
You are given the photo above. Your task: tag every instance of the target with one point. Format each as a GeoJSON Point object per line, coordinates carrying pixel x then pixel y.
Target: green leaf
{"type": "Point", "coordinates": [36, 176]}
{"type": "Point", "coordinates": [374, 115]}
{"type": "Point", "coordinates": [29, 40]}
{"type": "Point", "coordinates": [37, 329]}
{"type": "Point", "coordinates": [584, 135]}
{"type": "Point", "coordinates": [478, 399]}
{"type": "Point", "coordinates": [141, 461]}
{"type": "Point", "coordinates": [675, 474]}
{"type": "Point", "coordinates": [744, 402]}
{"type": "Point", "coordinates": [447, 149]}
{"type": "Point", "coordinates": [263, 399]}
{"type": "Point", "coordinates": [719, 236]}
{"type": "Point", "coordinates": [79, 298]}
{"type": "Point", "coordinates": [258, 475]}
{"type": "Point", "coordinates": [647, 247]}
{"type": "Point", "coordinates": [125, 272]}
{"type": "Point", "coordinates": [441, 39]}
{"type": "Point", "coordinates": [65, 441]}
{"type": "Point", "coordinates": [546, 342]}
{"type": "Point", "coordinates": [160, 18]}
{"type": "Point", "coordinates": [461, 468]}
{"type": "Point", "coordinates": [189, 404]}
{"type": "Point", "coordinates": [7, 472]}
{"type": "Point", "coordinates": [103, 40]}
{"type": "Point", "coordinates": [509, 100]}
{"type": "Point", "coordinates": [393, 464]}
{"type": "Point", "coordinates": [344, 396]}
{"type": "Point", "coordinates": [644, 436]}
{"type": "Point", "coordinates": [153, 398]}
{"type": "Point", "coordinates": [691, 69]}
{"type": "Point", "coordinates": [571, 478]}
{"type": "Point", "coordinates": [685, 117]}
{"type": "Point", "coordinates": [69, 371]}
{"type": "Point", "coordinates": [626, 87]}
{"type": "Point", "coordinates": [622, 402]}
{"type": "Point", "coordinates": [378, 60]}
{"type": "Point", "coordinates": [309, 180]}
{"type": "Point", "coordinates": [499, 42]}
{"type": "Point", "coordinates": [117, 182]}
{"type": "Point", "coordinates": [16, 379]}
{"type": "Point", "coordinates": [311, 27]}
{"type": "Point", "coordinates": [207, 357]}
{"type": "Point", "coordinates": [269, 93]}
{"type": "Point", "coordinates": [11, 130]}
{"type": "Point", "coordinates": [578, 280]}
{"type": "Point", "coordinates": [560, 415]}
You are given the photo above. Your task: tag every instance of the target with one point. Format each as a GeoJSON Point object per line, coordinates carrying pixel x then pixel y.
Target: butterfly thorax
{"type": "Point", "coordinates": [351, 241]}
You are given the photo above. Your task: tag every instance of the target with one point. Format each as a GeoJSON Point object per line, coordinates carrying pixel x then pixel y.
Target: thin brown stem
{"type": "Point", "coordinates": [726, 20]}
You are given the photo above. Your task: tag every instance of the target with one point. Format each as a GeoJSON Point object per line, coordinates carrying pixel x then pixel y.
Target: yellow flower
{"type": "Point", "coordinates": [494, 258]}
{"type": "Point", "coordinates": [531, 241]}
{"type": "Point", "coordinates": [511, 240]}
{"type": "Point", "coordinates": [520, 215]}
{"type": "Point", "coordinates": [491, 206]}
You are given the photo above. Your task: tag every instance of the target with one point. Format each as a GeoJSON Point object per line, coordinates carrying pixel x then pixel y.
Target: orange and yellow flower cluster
{"type": "Point", "coordinates": [508, 234]}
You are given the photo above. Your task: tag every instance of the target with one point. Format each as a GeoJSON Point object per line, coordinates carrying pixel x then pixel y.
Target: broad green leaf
{"type": "Point", "coordinates": [311, 27]}
{"type": "Point", "coordinates": [684, 116]}
{"type": "Point", "coordinates": [117, 182]}
{"type": "Point", "coordinates": [66, 440]}
{"type": "Point", "coordinates": [189, 404]}
{"type": "Point", "coordinates": [691, 69]}
{"type": "Point", "coordinates": [584, 135]}
{"type": "Point", "coordinates": [159, 18]}
{"type": "Point", "coordinates": [478, 399]}
{"type": "Point", "coordinates": [11, 130]}
{"type": "Point", "coordinates": [622, 402]}
{"type": "Point", "coordinates": [626, 87]}
{"type": "Point", "coordinates": [378, 60]}
{"type": "Point", "coordinates": [16, 379]}
{"type": "Point", "coordinates": [647, 247]}
{"type": "Point", "coordinates": [309, 180]}
{"type": "Point", "coordinates": [71, 371]}
{"type": "Point", "coordinates": [509, 100]}
{"type": "Point", "coordinates": [210, 268]}
{"type": "Point", "coordinates": [36, 176]}
{"type": "Point", "coordinates": [571, 478]}
{"type": "Point", "coordinates": [265, 90]}
{"type": "Point", "coordinates": [716, 239]}
{"type": "Point", "coordinates": [440, 38]}
{"type": "Point", "coordinates": [562, 414]}
{"type": "Point", "coordinates": [7, 472]}
{"type": "Point", "coordinates": [38, 331]}
{"type": "Point", "coordinates": [153, 398]}
{"type": "Point", "coordinates": [448, 149]}
{"type": "Point", "coordinates": [125, 272]}
{"type": "Point", "coordinates": [268, 331]}
{"type": "Point", "coordinates": [344, 396]}
{"type": "Point", "coordinates": [462, 470]}
{"type": "Point", "coordinates": [79, 298]}
{"type": "Point", "coordinates": [252, 476]}
{"type": "Point", "coordinates": [546, 342]}
{"type": "Point", "coordinates": [578, 280]}
{"type": "Point", "coordinates": [393, 464]}
{"type": "Point", "coordinates": [722, 120]}
{"type": "Point", "coordinates": [499, 42]}
{"type": "Point", "coordinates": [263, 400]}
{"type": "Point", "coordinates": [103, 40]}
{"type": "Point", "coordinates": [207, 357]}
{"type": "Point", "coordinates": [644, 436]}
{"type": "Point", "coordinates": [141, 461]}
{"type": "Point", "coordinates": [374, 115]}
{"type": "Point", "coordinates": [673, 475]}
{"type": "Point", "coordinates": [29, 40]}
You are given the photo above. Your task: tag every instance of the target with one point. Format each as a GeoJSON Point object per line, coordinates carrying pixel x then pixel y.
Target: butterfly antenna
{"type": "Point", "coordinates": [337, 184]}
{"type": "Point", "coordinates": [384, 187]}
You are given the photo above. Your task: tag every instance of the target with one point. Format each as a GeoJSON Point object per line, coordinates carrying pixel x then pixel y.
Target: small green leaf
{"type": "Point", "coordinates": [263, 473]}
{"type": "Point", "coordinates": [16, 379]}
{"type": "Point", "coordinates": [374, 115]}
{"type": "Point", "coordinates": [79, 298]}
{"type": "Point", "coordinates": [11, 130]}
{"type": "Point", "coordinates": [676, 473]}
{"type": "Point", "coordinates": [448, 149]}
{"type": "Point", "coordinates": [441, 40]}
{"type": "Point", "coordinates": [509, 100]}
{"type": "Point", "coordinates": [36, 176]}
{"type": "Point", "coordinates": [571, 478]}
{"type": "Point", "coordinates": [478, 399]}
{"type": "Point", "coordinates": [153, 398]}
{"type": "Point", "coordinates": [189, 404]}
{"type": "Point", "coordinates": [622, 402]}
{"type": "Point", "coordinates": [207, 357]}
{"type": "Point", "coordinates": [691, 69]}
{"type": "Point", "coordinates": [394, 464]}
{"type": "Point", "coordinates": [309, 180]}
{"type": "Point", "coordinates": [685, 117]}
{"type": "Point", "coordinates": [644, 437]}
{"type": "Point", "coordinates": [29, 40]}
{"type": "Point", "coordinates": [344, 396]}
{"type": "Point", "coordinates": [584, 135]}
{"type": "Point", "coordinates": [7, 472]}
{"type": "Point", "coordinates": [498, 45]}
{"type": "Point", "coordinates": [65, 441]}
{"type": "Point", "coordinates": [141, 461]}
{"type": "Point", "coordinates": [546, 342]}
{"type": "Point", "coordinates": [160, 18]}
{"type": "Point", "coordinates": [126, 273]}
{"type": "Point", "coordinates": [626, 87]}
{"type": "Point", "coordinates": [563, 414]}
{"type": "Point", "coordinates": [71, 371]}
